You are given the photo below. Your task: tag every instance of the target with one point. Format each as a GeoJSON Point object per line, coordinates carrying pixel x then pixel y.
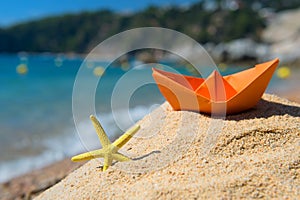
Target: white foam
{"type": "Point", "coordinates": [69, 143]}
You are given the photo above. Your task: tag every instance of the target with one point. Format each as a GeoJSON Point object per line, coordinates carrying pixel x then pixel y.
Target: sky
{"type": "Point", "coordinates": [16, 11]}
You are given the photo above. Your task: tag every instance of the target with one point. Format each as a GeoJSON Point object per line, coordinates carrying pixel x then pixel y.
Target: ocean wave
{"type": "Point", "coordinates": [72, 142]}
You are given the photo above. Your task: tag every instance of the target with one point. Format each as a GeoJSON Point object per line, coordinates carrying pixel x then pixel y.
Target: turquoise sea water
{"type": "Point", "coordinates": [36, 121]}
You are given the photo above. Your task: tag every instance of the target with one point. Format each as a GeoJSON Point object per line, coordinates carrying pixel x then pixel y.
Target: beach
{"type": "Point", "coordinates": [65, 63]}
{"type": "Point", "coordinates": [255, 155]}
{"type": "Point", "coordinates": [33, 183]}
{"type": "Point", "coordinates": [63, 144]}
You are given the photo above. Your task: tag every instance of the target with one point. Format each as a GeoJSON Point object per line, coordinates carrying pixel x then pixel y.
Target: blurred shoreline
{"type": "Point", "coordinates": [280, 38]}
{"type": "Point", "coordinates": [31, 184]}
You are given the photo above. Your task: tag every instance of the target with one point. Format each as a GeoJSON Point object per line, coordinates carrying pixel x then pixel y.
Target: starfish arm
{"type": "Point", "coordinates": [107, 161]}
{"type": "Point", "coordinates": [89, 155]}
{"type": "Point", "coordinates": [100, 132]}
{"type": "Point", "coordinates": [120, 157]}
{"type": "Point", "coordinates": [126, 137]}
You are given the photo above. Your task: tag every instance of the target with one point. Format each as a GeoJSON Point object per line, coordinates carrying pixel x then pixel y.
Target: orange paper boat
{"type": "Point", "coordinates": [216, 94]}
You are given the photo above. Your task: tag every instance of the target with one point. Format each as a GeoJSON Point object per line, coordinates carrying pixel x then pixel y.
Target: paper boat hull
{"type": "Point", "coordinates": [185, 92]}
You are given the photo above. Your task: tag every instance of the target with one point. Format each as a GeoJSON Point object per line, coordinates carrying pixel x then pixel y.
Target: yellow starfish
{"type": "Point", "coordinates": [109, 150]}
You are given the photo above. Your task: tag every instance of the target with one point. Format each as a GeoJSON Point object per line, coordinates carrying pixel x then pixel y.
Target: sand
{"type": "Point", "coordinates": [187, 155]}
{"type": "Point", "coordinates": [33, 183]}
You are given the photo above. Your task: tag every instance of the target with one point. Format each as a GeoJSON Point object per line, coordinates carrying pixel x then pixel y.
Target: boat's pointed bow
{"type": "Point", "coordinates": [252, 84]}
{"type": "Point", "coordinates": [268, 65]}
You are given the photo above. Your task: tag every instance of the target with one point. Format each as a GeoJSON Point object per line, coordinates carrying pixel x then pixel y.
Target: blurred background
{"type": "Point", "coordinates": [43, 44]}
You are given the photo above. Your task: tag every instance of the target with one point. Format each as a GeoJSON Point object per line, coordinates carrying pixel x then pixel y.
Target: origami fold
{"type": "Point", "coordinates": [216, 94]}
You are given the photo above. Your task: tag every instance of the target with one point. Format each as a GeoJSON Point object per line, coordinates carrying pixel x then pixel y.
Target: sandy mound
{"type": "Point", "coordinates": [189, 155]}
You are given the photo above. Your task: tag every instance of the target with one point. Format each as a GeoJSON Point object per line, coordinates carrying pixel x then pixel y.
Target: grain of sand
{"type": "Point", "coordinates": [187, 155]}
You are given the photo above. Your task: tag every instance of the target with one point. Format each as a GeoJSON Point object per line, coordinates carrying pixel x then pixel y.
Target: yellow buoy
{"type": "Point", "coordinates": [22, 69]}
{"type": "Point", "coordinates": [98, 71]}
{"type": "Point", "coordinates": [222, 67]}
{"type": "Point", "coordinates": [125, 66]}
{"type": "Point", "coordinates": [283, 72]}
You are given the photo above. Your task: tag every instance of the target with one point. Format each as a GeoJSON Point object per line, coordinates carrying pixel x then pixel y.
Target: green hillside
{"type": "Point", "coordinates": [81, 32]}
